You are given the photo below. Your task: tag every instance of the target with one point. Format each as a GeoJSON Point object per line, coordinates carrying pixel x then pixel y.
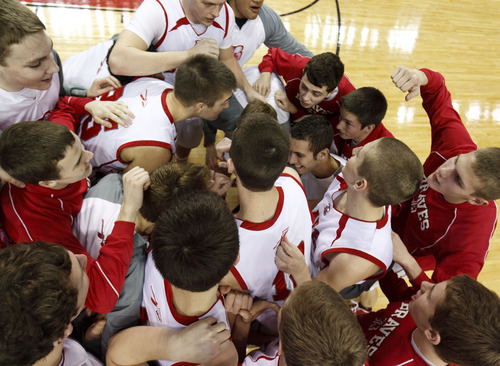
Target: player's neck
{"type": "Point", "coordinates": [177, 109]}
{"type": "Point", "coordinates": [356, 205]}
{"type": "Point", "coordinates": [328, 169]}
{"type": "Point", "coordinates": [53, 358]}
{"type": "Point", "coordinates": [257, 206]}
{"type": "Point", "coordinates": [426, 348]}
{"type": "Point", "coordinates": [189, 303]}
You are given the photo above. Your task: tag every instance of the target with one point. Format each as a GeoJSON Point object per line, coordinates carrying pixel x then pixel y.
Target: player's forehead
{"type": "Point", "coordinates": [33, 48]}
{"type": "Point", "coordinates": [464, 166]}
{"type": "Point", "coordinates": [310, 86]}
{"type": "Point", "coordinates": [298, 145]}
{"type": "Point", "coordinates": [211, 2]}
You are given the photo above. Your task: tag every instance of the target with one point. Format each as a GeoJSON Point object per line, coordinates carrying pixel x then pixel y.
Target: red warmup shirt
{"type": "Point", "coordinates": [457, 236]}
{"type": "Point", "coordinates": [37, 213]}
{"type": "Point", "coordinates": [290, 67]}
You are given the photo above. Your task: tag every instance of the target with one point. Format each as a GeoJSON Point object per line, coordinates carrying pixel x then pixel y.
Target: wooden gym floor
{"type": "Point", "coordinates": [460, 39]}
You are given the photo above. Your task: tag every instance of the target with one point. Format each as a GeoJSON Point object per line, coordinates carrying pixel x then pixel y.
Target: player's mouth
{"type": "Point", "coordinates": [255, 9]}
{"type": "Point", "coordinates": [48, 80]}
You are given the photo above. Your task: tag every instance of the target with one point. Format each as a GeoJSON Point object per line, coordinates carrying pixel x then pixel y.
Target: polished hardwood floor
{"type": "Point", "coordinates": [460, 39]}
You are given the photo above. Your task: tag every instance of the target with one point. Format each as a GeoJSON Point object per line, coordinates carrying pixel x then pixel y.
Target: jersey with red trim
{"type": "Point", "coordinates": [159, 305]}
{"type": "Point", "coordinates": [259, 241]}
{"type": "Point", "coordinates": [456, 235]}
{"type": "Point", "coordinates": [389, 335]}
{"type": "Point", "coordinates": [153, 124]}
{"type": "Point", "coordinates": [268, 357]}
{"type": "Point", "coordinates": [344, 148]}
{"type": "Point", "coordinates": [73, 354]}
{"type": "Point", "coordinates": [164, 25]}
{"type": "Point", "coordinates": [38, 213]}
{"type": "Point", "coordinates": [290, 67]}
{"type": "Point", "coordinates": [316, 187]}
{"type": "Point", "coordinates": [28, 104]}
{"type": "Point", "coordinates": [336, 232]}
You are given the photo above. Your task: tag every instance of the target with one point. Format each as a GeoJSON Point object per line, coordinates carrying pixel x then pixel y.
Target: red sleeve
{"type": "Point", "coordinates": [284, 64]}
{"type": "Point", "coordinates": [396, 289]}
{"type": "Point", "coordinates": [107, 272]}
{"type": "Point", "coordinates": [69, 111]}
{"type": "Point", "coordinates": [449, 135]}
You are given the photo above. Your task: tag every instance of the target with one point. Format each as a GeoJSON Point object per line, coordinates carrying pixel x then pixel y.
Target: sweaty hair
{"type": "Point", "coordinates": [468, 321]}
{"type": "Point", "coordinates": [316, 130]}
{"type": "Point", "coordinates": [17, 22]}
{"type": "Point", "coordinates": [393, 172]}
{"type": "Point", "coordinates": [318, 329]}
{"type": "Point", "coordinates": [38, 301]}
{"type": "Point", "coordinates": [170, 180]}
{"type": "Point", "coordinates": [30, 151]}
{"type": "Point", "coordinates": [367, 104]}
{"type": "Point", "coordinates": [325, 69]}
{"type": "Point", "coordinates": [259, 150]}
{"type": "Point", "coordinates": [195, 242]}
{"type": "Point", "coordinates": [203, 79]}
{"type": "Point", "coordinates": [487, 169]}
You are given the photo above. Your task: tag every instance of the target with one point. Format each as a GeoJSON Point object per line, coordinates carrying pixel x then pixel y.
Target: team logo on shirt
{"type": "Point", "coordinates": [144, 98]}
{"type": "Point", "coordinates": [238, 52]}
{"type": "Point", "coordinates": [155, 304]}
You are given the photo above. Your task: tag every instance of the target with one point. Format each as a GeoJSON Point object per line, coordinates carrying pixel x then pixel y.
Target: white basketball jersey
{"type": "Point", "coordinates": [269, 357]}
{"type": "Point", "coordinates": [316, 187]}
{"type": "Point", "coordinates": [336, 232]}
{"type": "Point", "coordinates": [158, 302]}
{"type": "Point", "coordinates": [164, 25]}
{"type": "Point", "coordinates": [256, 270]}
{"type": "Point", "coordinates": [248, 39]}
{"type": "Point", "coordinates": [152, 126]}
{"type": "Point", "coordinates": [74, 354]}
{"type": "Point", "coordinates": [28, 104]}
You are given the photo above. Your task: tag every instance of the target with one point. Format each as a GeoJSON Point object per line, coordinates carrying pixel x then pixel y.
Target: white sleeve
{"type": "Point", "coordinates": [148, 22]}
{"type": "Point", "coordinates": [231, 24]}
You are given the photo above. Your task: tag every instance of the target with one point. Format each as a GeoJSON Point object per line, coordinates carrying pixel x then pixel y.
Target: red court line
{"type": "Point", "coordinates": [117, 4]}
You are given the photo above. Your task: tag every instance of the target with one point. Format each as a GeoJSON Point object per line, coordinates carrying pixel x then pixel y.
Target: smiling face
{"type": "Point", "coordinates": [301, 157]}
{"type": "Point", "coordinates": [29, 65]}
{"type": "Point", "coordinates": [310, 94]}
{"type": "Point", "coordinates": [424, 302]}
{"type": "Point", "coordinates": [246, 9]}
{"type": "Point", "coordinates": [75, 165]}
{"type": "Point", "coordinates": [202, 11]}
{"type": "Point", "coordinates": [455, 179]}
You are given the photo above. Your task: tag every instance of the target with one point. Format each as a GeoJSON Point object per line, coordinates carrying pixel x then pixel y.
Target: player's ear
{"type": "Point", "coordinates": [369, 128]}
{"type": "Point", "coordinates": [361, 184]}
{"type": "Point", "coordinates": [230, 166]}
{"type": "Point", "coordinates": [330, 93]}
{"type": "Point", "coordinates": [323, 154]}
{"type": "Point", "coordinates": [478, 201]}
{"type": "Point", "coordinates": [432, 336]}
{"type": "Point", "coordinates": [48, 183]}
{"type": "Point", "coordinates": [199, 107]}
{"type": "Point", "coordinates": [67, 331]}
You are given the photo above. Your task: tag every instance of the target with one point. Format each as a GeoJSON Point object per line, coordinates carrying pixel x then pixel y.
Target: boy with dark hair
{"type": "Point", "coordinates": [273, 206]}
{"type": "Point", "coordinates": [310, 142]}
{"type": "Point", "coordinates": [309, 90]}
{"type": "Point", "coordinates": [194, 244]}
{"type": "Point", "coordinates": [316, 328]}
{"type": "Point", "coordinates": [361, 115]}
{"type": "Point", "coordinates": [202, 88]}
{"type": "Point", "coordinates": [94, 223]}
{"type": "Point", "coordinates": [44, 287]}
{"type": "Point", "coordinates": [450, 221]}
{"type": "Point", "coordinates": [452, 322]}
{"type": "Point", "coordinates": [55, 186]}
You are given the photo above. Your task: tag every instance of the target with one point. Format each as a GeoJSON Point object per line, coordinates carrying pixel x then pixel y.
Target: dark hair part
{"type": "Point", "coordinates": [30, 151]}
{"type": "Point", "coordinates": [468, 322]}
{"type": "Point", "coordinates": [393, 172]}
{"type": "Point", "coordinates": [38, 301]}
{"type": "Point", "coordinates": [203, 79]}
{"type": "Point", "coordinates": [487, 169]}
{"type": "Point", "coordinates": [259, 150]}
{"type": "Point", "coordinates": [316, 130]}
{"type": "Point", "coordinates": [325, 69]}
{"type": "Point", "coordinates": [195, 242]}
{"type": "Point", "coordinates": [171, 180]}
{"type": "Point", "coordinates": [367, 104]}
{"type": "Point", "coordinates": [323, 332]}
{"type": "Point", "coordinates": [17, 22]}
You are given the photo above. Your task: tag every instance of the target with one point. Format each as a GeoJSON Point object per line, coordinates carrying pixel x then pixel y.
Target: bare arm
{"type": "Point", "coordinates": [199, 342]}
{"type": "Point", "coordinates": [148, 157]}
{"type": "Point", "coordinates": [345, 270]}
{"type": "Point", "coordinates": [129, 56]}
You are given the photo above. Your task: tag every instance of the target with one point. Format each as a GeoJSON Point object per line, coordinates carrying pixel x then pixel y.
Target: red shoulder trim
{"type": "Point", "coordinates": [166, 26]}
